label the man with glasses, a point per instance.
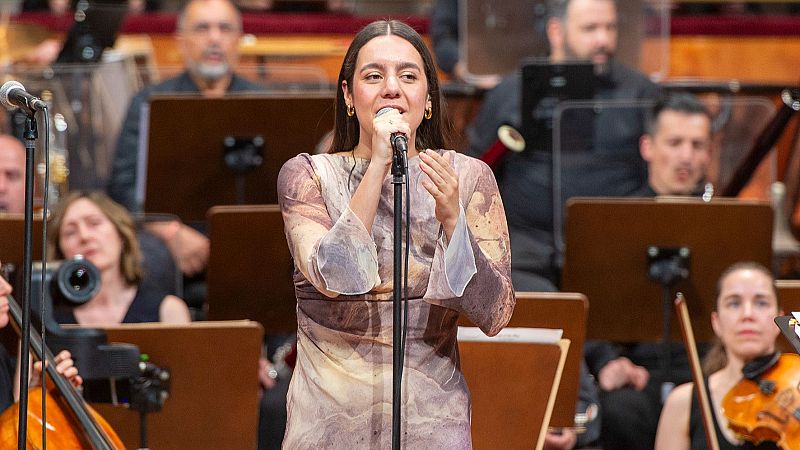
(208, 33)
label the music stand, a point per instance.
(95, 29)
(565, 311)
(787, 325)
(509, 405)
(621, 252)
(245, 291)
(606, 257)
(224, 151)
(789, 300)
(544, 85)
(213, 401)
(11, 228)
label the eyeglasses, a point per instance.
(204, 28)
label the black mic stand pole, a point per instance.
(31, 134)
(398, 180)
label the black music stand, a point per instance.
(244, 241)
(544, 85)
(789, 299)
(609, 250)
(224, 151)
(787, 325)
(94, 29)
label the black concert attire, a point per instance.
(145, 307)
(7, 369)
(612, 167)
(697, 433)
(444, 33)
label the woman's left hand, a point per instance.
(442, 184)
(64, 365)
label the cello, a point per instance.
(70, 423)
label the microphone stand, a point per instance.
(399, 165)
(31, 133)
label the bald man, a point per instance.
(208, 33)
(12, 175)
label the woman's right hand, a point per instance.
(391, 121)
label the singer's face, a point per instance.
(678, 152)
(12, 175)
(209, 39)
(86, 230)
(389, 73)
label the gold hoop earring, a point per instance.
(351, 110)
(428, 113)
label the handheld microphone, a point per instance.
(399, 140)
(13, 95)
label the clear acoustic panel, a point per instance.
(496, 36)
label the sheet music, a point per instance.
(520, 335)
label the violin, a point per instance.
(70, 422)
(765, 404)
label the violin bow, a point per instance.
(697, 372)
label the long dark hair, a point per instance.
(432, 133)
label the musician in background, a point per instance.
(677, 146)
(583, 30)
(576, 30)
(208, 33)
(746, 305)
(12, 175)
(92, 225)
(677, 149)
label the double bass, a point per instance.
(70, 423)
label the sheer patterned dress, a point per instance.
(341, 391)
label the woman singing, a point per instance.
(338, 213)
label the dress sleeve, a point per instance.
(488, 296)
(336, 257)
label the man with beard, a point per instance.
(208, 33)
(576, 30)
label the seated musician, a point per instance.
(92, 225)
(745, 308)
(9, 375)
(677, 149)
